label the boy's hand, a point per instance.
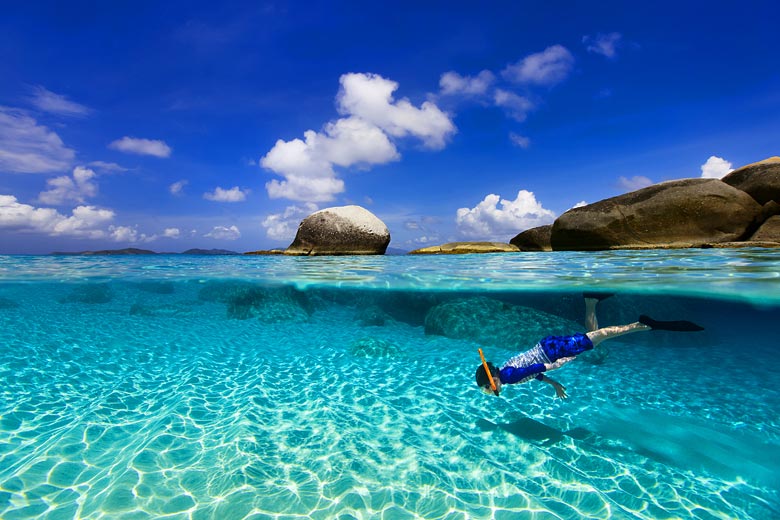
(560, 391)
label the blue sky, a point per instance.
(174, 125)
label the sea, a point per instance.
(273, 387)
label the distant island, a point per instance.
(136, 251)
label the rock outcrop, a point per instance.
(760, 180)
(768, 232)
(459, 248)
(345, 230)
(673, 214)
(534, 239)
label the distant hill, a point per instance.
(126, 251)
(208, 252)
(395, 251)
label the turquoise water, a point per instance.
(274, 387)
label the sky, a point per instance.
(177, 125)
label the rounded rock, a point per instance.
(344, 230)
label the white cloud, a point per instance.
(486, 221)
(548, 67)
(516, 106)
(637, 182)
(177, 187)
(716, 168)
(84, 221)
(48, 101)
(138, 146)
(129, 234)
(64, 189)
(283, 226)
(519, 140)
(234, 194)
(362, 137)
(370, 97)
(452, 83)
(604, 44)
(171, 233)
(224, 233)
(107, 166)
(27, 147)
(580, 204)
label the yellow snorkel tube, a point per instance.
(487, 371)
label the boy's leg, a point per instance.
(599, 335)
(591, 300)
(591, 321)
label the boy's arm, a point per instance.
(560, 390)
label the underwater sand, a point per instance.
(235, 387)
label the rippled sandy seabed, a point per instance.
(200, 398)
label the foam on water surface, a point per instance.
(138, 396)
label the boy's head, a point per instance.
(483, 382)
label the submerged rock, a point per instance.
(90, 294)
(492, 322)
(374, 348)
(5, 303)
(460, 248)
(268, 305)
(534, 239)
(682, 213)
(345, 230)
(371, 315)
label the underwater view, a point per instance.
(174, 386)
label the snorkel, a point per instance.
(487, 371)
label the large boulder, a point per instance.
(345, 230)
(760, 180)
(671, 214)
(534, 239)
(769, 231)
(460, 248)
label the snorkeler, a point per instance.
(552, 352)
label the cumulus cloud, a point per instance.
(548, 67)
(634, 183)
(519, 140)
(716, 168)
(171, 233)
(128, 234)
(177, 187)
(516, 106)
(283, 226)
(75, 188)
(604, 44)
(224, 233)
(47, 101)
(233, 194)
(452, 83)
(363, 137)
(580, 204)
(488, 221)
(139, 146)
(370, 97)
(27, 147)
(84, 221)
